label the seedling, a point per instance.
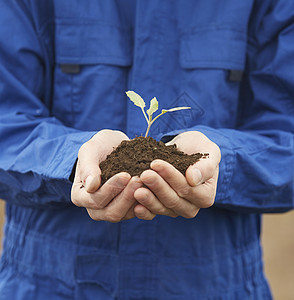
(138, 101)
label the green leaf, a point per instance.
(136, 99)
(175, 109)
(153, 107)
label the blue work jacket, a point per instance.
(64, 70)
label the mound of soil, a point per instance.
(135, 156)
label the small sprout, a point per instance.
(138, 101)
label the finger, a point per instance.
(117, 209)
(103, 196)
(143, 213)
(130, 213)
(139, 211)
(200, 195)
(167, 195)
(150, 205)
(173, 177)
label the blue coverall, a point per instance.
(64, 70)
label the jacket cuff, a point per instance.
(60, 173)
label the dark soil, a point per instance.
(135, 156)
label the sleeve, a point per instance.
(37, 151)
(257, 165)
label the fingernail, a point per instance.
(156, 165)
(136, 179)
(88, 182)
(137, 182)
(197, 176)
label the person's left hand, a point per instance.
(168, 192)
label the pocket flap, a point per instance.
(213, 47)
(90, 42)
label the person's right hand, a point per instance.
(114, 200)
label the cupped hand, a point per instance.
(114, 200)
(169, 192)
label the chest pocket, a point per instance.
(212, 61)
(92, 60)
(213, 47)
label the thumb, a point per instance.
(92, 182)
(92, 153)
(202, 171)
(88, 171)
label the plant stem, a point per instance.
(157, 117)
(145, 115)
(149, 122)
(148, 128)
